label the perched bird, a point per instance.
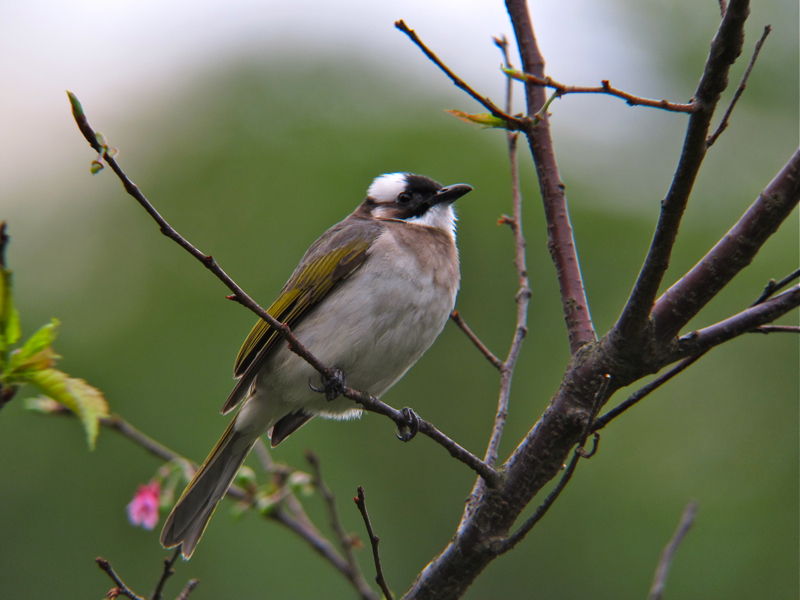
(368, 298)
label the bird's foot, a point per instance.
(408, 429)
(332, 386)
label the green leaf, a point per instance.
(38, 343)
(484, 119)
(81, 398)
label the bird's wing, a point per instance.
(317, 274)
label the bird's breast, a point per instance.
(376, 323)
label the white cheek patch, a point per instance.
(387, 187)
(441, 216)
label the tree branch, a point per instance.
(345, 541)
(361, 502)
(512, 123)
(660, 580)
(725, 48)
(459, 320)
(561, 242)
(605, 88)
(166, 574)
(121, 589)
(740, 90)
(676, 307)
(745, 321)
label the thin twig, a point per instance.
(644, 391)
(4, 239)
(523, 295)
(660, 580)
(190, 586)
(605, 88)
(513, 123)
(740, 90)
(166, 574)
(458, 320)
(777, 329)
(541, 510)
(775, 286)
(725, 48)
(522, 298)
(121, 589)
(374, 540)
(745, 321)
(516, 537)
(368, 402)
(722, 8)
(346, 541)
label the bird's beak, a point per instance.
(451, 193)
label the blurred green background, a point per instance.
(252, 159)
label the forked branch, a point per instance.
(725, 49)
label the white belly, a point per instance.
(374, 326)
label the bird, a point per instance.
(368, 298)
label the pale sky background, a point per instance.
(119, 56)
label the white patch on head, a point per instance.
(441, 216)
(387, 187)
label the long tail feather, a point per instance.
(188, 520)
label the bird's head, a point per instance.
(414, 199)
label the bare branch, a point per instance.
(777, 329)
(458, 320)
(739, 91)
(166, 574)
(605, 88)
(511, 122)
(190, 586)
(725, 48)
(560, 239)
(660, 580)
(368, 402)
(523, 295)
(644, 391)
(775, 286)
(361, 502)
(522, 298)
(731, 254)
(745, 321)
(579, 453)
(121, 589)
(4, 239)
(542, 509)
(345, 541)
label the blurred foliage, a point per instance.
(257, 160)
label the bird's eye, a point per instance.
(404, 197)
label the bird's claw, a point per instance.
(407, 430)
(332, 386)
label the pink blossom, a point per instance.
(143, 509)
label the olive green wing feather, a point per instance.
(311, 282)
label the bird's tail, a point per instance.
(187, 521)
